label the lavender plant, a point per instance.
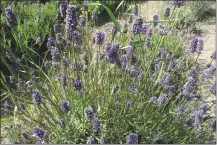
(139, 91)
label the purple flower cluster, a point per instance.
(71, 22)
(208, 73)
(77, 84)
(38, 132)
(50, 43)
(100, 38)
(65, 61)
(62, 122)
(132, 88)
(64, 106)
(10, 17)
(137, 26)
(63, 80)
(90, 112)
(132, 138)
(177, 3)
(190, 85)
(162, 99)
(197, 116)
(91, 140)
(36, 96)
(155, 18)
(161, 30)
(196, 45)
(54, 53)
(76, 66)
(112, 53)
(7, 105)
(63, 7)
(213, 89)
(96, 124)
(167, 12)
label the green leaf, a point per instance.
(112, 18)
(119, 5)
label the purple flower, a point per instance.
(63, 6)
(50, 43)
(63, 80)
(7, 105)
(91, 140)
(199, 45)
(76, 66)
(112, 53)
(132, 138)
(10, 17)
(213, 89)
(208, 73)
(90, 112)
(95, 124)
(64, 106)
(149, 32)
(71, 22)
(36, 97)
(193, 45)
(132, 87)
(65, 61)
(137, 26)
(213, 56)
(38, 132)
(162, 100)
(54, 53)
(189, 121)
(145, 28)
(155, 18)
(77, 84)
(58, 38)
(77, 37)
(177, 3)
(48, 64)
(167, 12)
(62, 122)
(100, 38)
(129, 103)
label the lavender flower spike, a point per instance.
(65, 106)
(132, 138)
(167, 12)
(100, 38)
(10, 17)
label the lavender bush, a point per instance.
(141, 90)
